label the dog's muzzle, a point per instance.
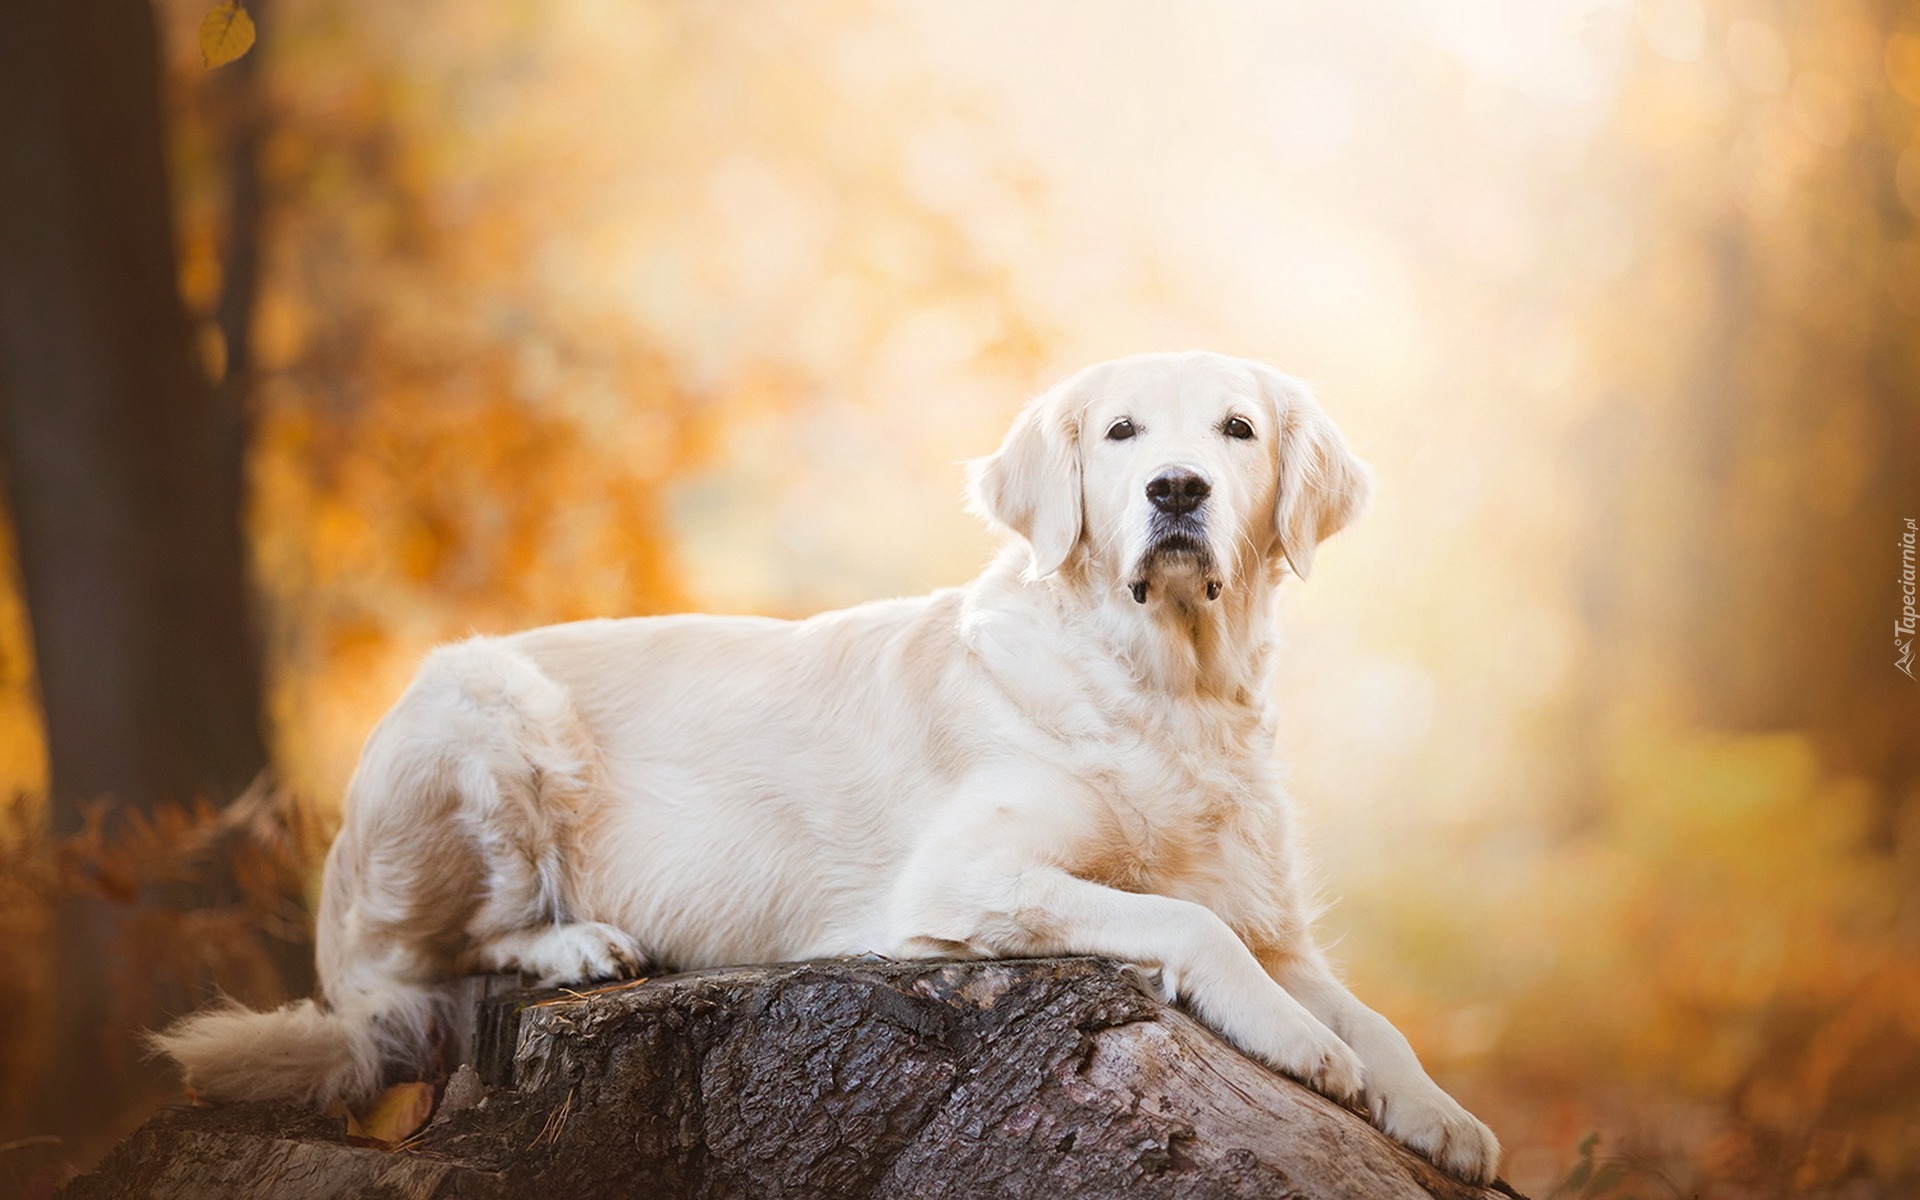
(1178, 496)
(1179, 540)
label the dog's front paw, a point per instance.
(1432, 1123)
(1162, 982)
(581, 951)
(1319, 1059)
(1334, 1070)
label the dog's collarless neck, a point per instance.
(1181, 649)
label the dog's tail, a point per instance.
(303, 1052)
(378, 1017)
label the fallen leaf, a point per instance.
(400, 1110)
(226, 32)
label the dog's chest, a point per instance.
(1173, 790)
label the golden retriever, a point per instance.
(1072, 754)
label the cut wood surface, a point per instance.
(1048, 1078)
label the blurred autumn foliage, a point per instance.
(265, 842)
(570, 309)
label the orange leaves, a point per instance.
(226, 33)
(394, 1116)
(397, 1113)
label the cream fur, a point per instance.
(1036, 763)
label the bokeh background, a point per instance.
(532, 311)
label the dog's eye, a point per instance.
(1237, 427)
(1120, 430)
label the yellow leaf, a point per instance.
(399, 1111)
(226, 32)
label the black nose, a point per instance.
(1178, 491)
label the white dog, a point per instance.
(1070, 755)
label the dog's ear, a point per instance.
(1031, 484)
(1321, 486)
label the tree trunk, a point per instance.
(123, 471)
(1045, 1077)
(124, 474)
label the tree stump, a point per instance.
(851, 1078)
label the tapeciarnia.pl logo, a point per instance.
(1903, 629)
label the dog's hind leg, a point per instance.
(522, 768)
(452, 860)
(567, 952)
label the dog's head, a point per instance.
(1177, 474)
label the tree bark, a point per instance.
(125, 489)
(1047, 1077)
(122, 468)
